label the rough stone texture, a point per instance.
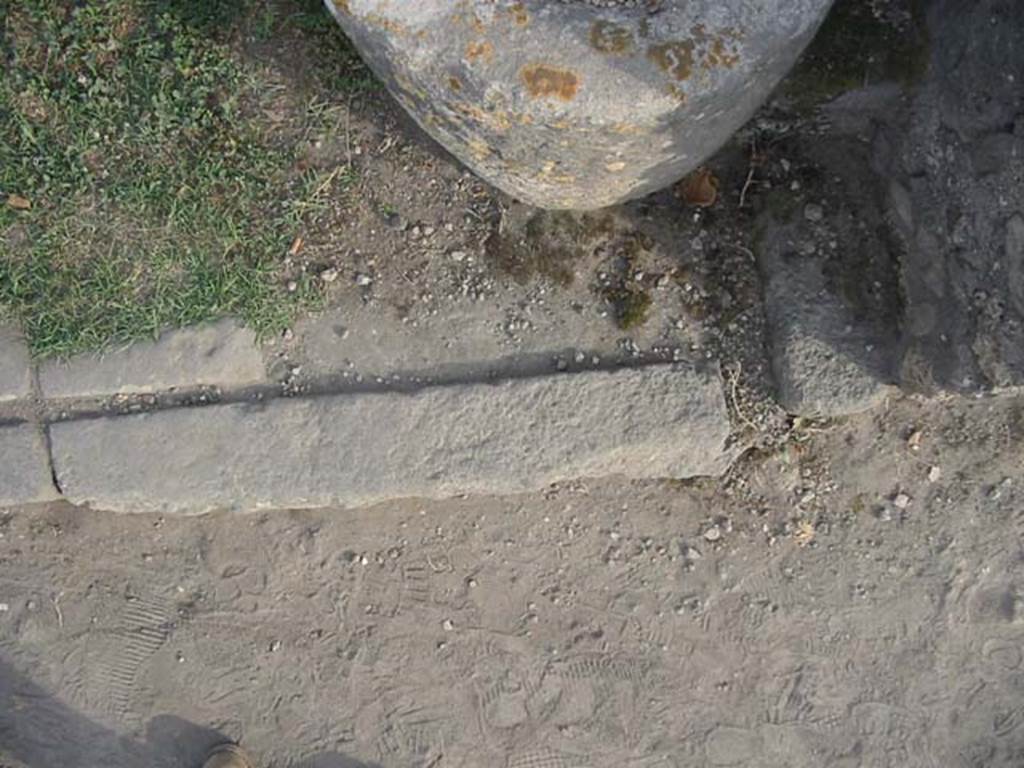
(221, 354)
(15, 365)
(956, 194)
(566, 105)
(25, 476)
(827, 360)
(520, 435)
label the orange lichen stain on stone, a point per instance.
(501, 120)
(479, 149)
(719, 56)
(615, 167)
(454, 83)
(546, 82)
(715, 52)
(376, 20)
(611, 38)
(468, 17)
(519, 14)
(547, 174)
(481, 50)
(341, 5)
(497, 120)
(626, 129)
(471, 111)
(674, 58)
(676, 93)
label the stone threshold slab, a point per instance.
(15, 365)
(353, 450)
(25, 475)
(216, 354)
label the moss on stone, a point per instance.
(630, 304)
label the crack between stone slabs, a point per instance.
(42, 425)
(65, 410)
(48, 447)
(31, 412)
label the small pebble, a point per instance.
(901, 500)
(814, 213)
(714, 533)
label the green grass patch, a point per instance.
(158, 196)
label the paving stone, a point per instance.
(15, 365)
(827, 361)
(354, 450)
(222, 354)
(25, 476)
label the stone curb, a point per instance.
(819, 350)
(25, 474)
(15, 365)
(359, 449)
(221, 354)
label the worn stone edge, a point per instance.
(133, 499)
(42, 459)
(51, 374)
(25, 388)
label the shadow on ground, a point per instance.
(39, 731)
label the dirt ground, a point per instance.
(852, 598)
(851, 594)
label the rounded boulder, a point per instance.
(580, 104)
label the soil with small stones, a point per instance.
(850, 594)
(853, 597)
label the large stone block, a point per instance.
(354, 450)
(827, 360)
(220, 354)
(15, 365)
(25, 476)
(579, 104)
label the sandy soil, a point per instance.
(851, 594)
(851, 598)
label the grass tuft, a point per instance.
(158, 196)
